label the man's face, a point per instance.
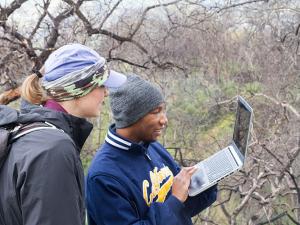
(150, 127)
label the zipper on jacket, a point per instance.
(147, 157)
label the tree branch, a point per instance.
(37, 26)
(283, 104)
(109, 13)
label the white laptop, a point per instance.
(228, 160)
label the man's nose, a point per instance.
(164, 118)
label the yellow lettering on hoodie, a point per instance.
(161, 183)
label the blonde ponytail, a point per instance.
(32, 90)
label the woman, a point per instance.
(42, 179)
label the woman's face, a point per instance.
(90, 105)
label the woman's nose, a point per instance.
(106, 92)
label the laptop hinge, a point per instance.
(235, 156)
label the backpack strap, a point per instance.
(8, 136)
(24, 129)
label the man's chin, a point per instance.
(155, 138)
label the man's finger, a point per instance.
(192, 170)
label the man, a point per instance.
(133, 179)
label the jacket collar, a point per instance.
(114, 139)
(77, 128)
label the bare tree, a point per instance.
(202, 54)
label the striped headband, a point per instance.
(78, 83)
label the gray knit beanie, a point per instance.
(133, 100)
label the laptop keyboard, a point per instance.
(219, 165)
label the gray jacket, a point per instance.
(42, 180)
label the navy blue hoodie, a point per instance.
(130, 183)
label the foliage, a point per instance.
(202, 54)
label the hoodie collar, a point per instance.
(52, 104)
(122, 143)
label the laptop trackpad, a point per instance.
(199, 179)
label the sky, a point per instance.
(27, 14)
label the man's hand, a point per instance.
(181, 183)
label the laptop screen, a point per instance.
(242, 125)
